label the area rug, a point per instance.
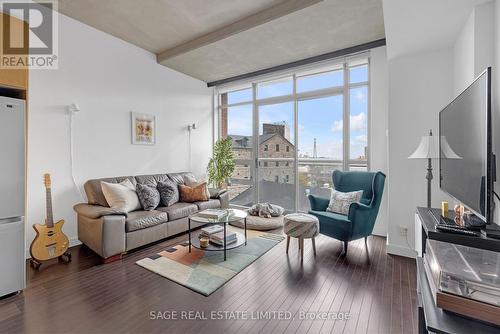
(206, 271)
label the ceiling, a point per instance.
(216, 39)
(405, 32)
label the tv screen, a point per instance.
(465, 142)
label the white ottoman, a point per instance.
(301, 226)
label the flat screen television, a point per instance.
(466, 160)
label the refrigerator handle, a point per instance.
(11, 220)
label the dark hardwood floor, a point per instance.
(376, 290)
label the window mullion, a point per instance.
(346, 119)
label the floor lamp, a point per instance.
(429, 149)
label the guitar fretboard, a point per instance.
(48, 200)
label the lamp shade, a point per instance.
(429, 149)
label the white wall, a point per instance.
(419, 86)
(108, 78)
(379, 91)
(473, 49)
(464, 56)
(483, 37)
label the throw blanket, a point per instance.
(266, 210)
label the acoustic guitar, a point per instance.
(50, 241)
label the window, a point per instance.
(318, 81)
(273, 88)
(238, 96)
(309, 123)
(358, 73)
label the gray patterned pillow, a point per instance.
(169, 193)
(148, 196)
(340, 202)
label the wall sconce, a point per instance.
(73, 108)
(191, 127)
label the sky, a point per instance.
(319, 118)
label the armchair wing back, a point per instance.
(361, 219)
(372, 184)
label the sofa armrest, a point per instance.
(224, 200)
(222, 195)
(215, 193)
(104, 235)
(97, 211)
(318, 203)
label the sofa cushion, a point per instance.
(169, 192)
(210, 204)
(151, 180)
(179, 210)
(178, 178)
(193, 194)
(191, 181)
(148, 196)
(121, 196)
(138, 220)
(94, 191)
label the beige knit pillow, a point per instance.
(340, 202)
(121, 195)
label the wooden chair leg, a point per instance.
(287, 243)
(301, 249)
(345, 247)
(314, 246)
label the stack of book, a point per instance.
(210, 230)
(218, 238)
(212, 213)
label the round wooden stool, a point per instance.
(301, 226)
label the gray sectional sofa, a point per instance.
(110, 232)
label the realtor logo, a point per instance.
(29, 35)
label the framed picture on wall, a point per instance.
(143, 129)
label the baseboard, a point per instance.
(72, 242)
(400, 250)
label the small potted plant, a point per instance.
(221, 165)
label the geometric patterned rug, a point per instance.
(206, 271)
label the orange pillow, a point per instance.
(193, 194)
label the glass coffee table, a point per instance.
(231, 216)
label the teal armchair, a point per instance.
(361, 218)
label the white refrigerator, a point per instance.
(12, 195)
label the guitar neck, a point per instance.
(48, 200)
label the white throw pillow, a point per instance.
(340, 202)
(121, 195)
(191, 181)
